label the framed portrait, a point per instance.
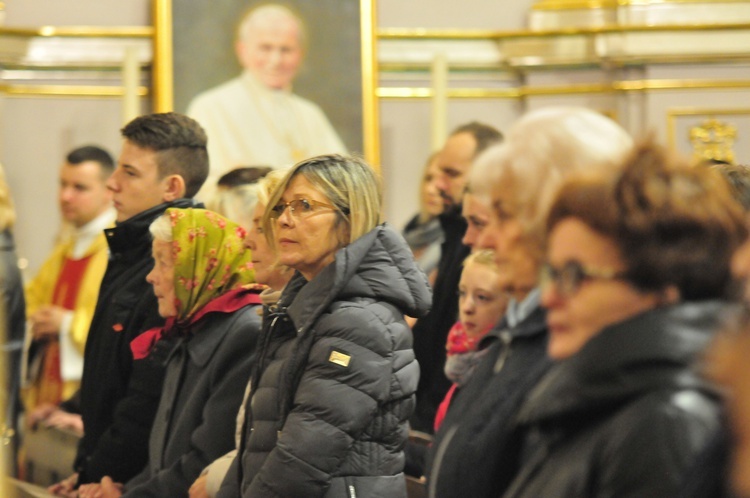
(335, 73)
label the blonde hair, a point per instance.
(7, 212)
(347, 181)
(484, 257)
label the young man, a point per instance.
(61, 298)
(163, 164)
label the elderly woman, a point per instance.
(473, 453)
(274, 278)
(634, 284)
(200, 277)
(335, 382)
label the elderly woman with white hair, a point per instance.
(334, 386)
(474, 453)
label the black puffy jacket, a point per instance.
(335, 387)
(625, 415)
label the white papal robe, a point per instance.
(249, 124)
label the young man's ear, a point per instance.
(174, 188)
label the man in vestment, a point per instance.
(255, 118)
(60, 299)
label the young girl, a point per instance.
(482, 299)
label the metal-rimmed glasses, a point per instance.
(300, 208)
(569, 278)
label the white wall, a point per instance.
(36, 132)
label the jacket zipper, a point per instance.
(433, 479)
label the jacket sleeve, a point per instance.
(214, 436)
(122, 450)
(648, 455)
(346, 379)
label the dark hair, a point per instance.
(243, 176)
(179, 143)
(484, 135)
(92, 153)
(675, 225)
(738, 177)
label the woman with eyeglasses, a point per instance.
(474, 452)
(634, 286)
(334, 386)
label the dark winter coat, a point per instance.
(626, 415)
(475, 452)
(206, 374)
(119, 396)
(330, 402)
(431, 331)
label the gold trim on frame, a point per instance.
(370, 115)
(163, 70)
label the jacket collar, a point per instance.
(652, 350)
(134, 231)
(377, 265)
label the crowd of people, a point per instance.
(565, 316)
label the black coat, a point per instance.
(431, 331)
(207, 371)
(14, 307)
(119, 396)
(625, 415)
(475, 452)
(335, 386)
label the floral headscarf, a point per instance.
(210, 258)
(213, 272)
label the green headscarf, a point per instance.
(210, 258)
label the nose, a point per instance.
(250, 241)
(111, 182)
(150, 277)
(286, 219)
(550, 297)
(470, 237)
(467, 306)
(65, 194)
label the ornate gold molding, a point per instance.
(598, 88)
(80, 32)
(574, 4)
(67, 91)
(470, 34)
(709, 113)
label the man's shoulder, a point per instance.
(217, 93)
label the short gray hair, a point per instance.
(541, 150)
(161, 229)
(270, 12)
